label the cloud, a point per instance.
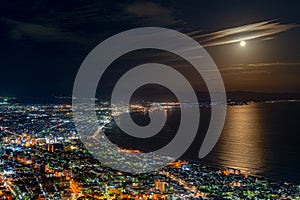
(75, 23)
(20, 30)
(261, 68)
(270, 64)
(264, 30)
(151, 13)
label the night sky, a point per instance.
(44, 42)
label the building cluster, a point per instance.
(41, 157)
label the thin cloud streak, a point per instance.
(260, 68)
(271, 64)
(265, 29)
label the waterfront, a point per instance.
(43, 158)
(259, 138)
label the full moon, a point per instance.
(242, 43)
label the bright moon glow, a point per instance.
(243, 43)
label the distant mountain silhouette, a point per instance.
(160, 94)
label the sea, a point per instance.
(261, 139)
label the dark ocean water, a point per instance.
(260, 138)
